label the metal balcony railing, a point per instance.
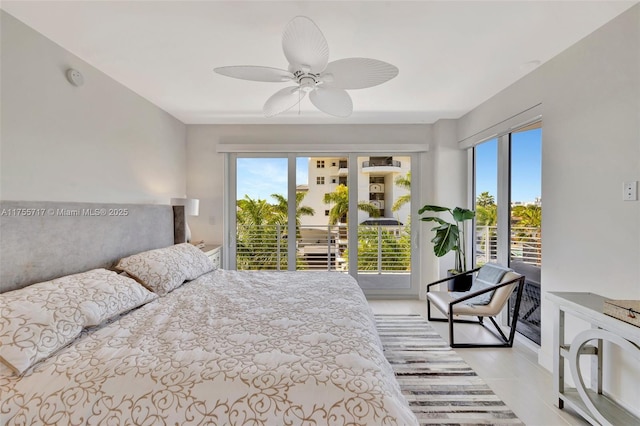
(525, 258)
(381, 249)
(262, 247)
(386, 163)
(526, 244)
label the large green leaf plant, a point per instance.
(449, 236)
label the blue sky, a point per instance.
(526, 157)
(261, 177)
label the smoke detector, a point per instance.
(75, 77)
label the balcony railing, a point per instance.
(525, 258)
(385, 163)
(526, 245)
(381, 248)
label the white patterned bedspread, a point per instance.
(230, 348)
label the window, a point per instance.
(334, 180)
(319, 164)
(320, 180)
(326, 212)
(525, 220)
(486, 201)
(508, 204)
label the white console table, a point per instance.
(590, 403)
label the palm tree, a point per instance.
(486, 210)
(405, 183)
(253, 212)
(486, 216)
(485, 199)
(340, 200)
(257, 236)
(527, 222)
(281, 208)
(529, 215)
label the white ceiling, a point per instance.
(452, 55)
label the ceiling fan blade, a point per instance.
(332, 101)
(357, 73)
(304, 45)
(255, 73)
(283, 100)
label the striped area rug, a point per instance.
(440, 387)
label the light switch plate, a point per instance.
(630, 191)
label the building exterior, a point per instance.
(375, 183)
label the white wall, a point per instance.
(590, 98)
(96, 143)
(448, 166)
(206, 181)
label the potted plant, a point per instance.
(451, 237)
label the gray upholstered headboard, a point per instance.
(40, 241)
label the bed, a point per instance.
(211, 347)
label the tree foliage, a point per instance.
(262, 231)
(395, 248)
(340, 200)
(529, 215)
(405, 183)
(486, 210)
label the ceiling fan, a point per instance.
(307, 51)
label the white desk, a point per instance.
(591, 404)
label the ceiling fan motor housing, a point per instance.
(306, 80)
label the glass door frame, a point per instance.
(503, 193)
(230, 218)
(373, 284)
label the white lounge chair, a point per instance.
(492, 287)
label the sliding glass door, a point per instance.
(486, 202)
(525, 219)
(508, 203)
(383, 215)
(352, 214)
(321, 228)
(261, 214)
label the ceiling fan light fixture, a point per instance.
(307, 52)
(307, 84)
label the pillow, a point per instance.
(114, 295)
(38, 320)
(492, 272)
(198, 263)
(489, 275)
(482, 299)
(163, 270)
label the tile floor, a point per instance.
(513, 374)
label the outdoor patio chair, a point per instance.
(492, 287)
